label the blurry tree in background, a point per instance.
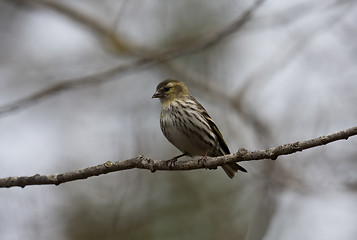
(287, 74)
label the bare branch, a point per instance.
(152, 60)
(56, 88)
(142, 162)
(217, 37)
(94, 25)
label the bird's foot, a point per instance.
(171, 162)
(202, 160)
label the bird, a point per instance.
(186, 125)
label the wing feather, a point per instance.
(213, 126)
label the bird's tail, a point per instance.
(232, 168)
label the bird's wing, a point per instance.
(216, 131)
(213, 126)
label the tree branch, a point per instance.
(142, 162)
(97, 78)
(153, 59)
(94, 25)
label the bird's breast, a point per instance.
(187, 130)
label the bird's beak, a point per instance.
(157, 94)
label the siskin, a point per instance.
(187, 125)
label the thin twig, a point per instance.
(101, 77)
(142, 162)
(95, 26)
(150, 61)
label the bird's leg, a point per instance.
(172, 161)
(202, 160)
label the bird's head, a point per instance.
(170, 90)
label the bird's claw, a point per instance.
(202, 160)
(171, 162)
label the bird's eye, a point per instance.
(166, 89)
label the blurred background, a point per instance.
(288, 74)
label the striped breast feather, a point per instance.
(212, 125)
